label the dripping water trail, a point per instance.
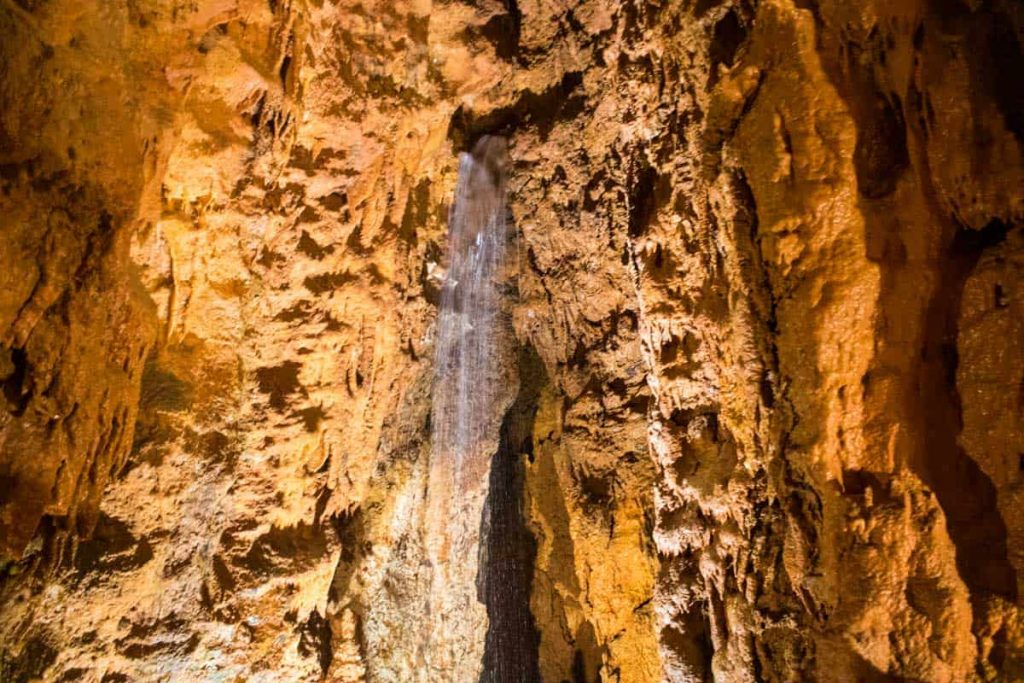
(471, 327)
(479, 548)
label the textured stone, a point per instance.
(767, 304)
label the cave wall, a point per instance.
(769, 260)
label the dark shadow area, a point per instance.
(16, 380)
(112, 549)
(508, 548)
(586, 663)
(966, 494)
(31, 663)
(648, 192)
(880, 157)
(562, 101)
(315, 640)
(503, 30)
(994, 53)
(727, 36)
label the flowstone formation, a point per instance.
(755, 414)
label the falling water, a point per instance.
(470, 321)
(474, 385)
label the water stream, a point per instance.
(471, 328)
(474, 385)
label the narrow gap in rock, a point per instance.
(727, 37)
(966, 494)
(503, 30)
(15, 385)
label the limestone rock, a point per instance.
(766, 318)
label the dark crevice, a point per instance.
(350, 528)
(966, 494)
(586, 663)
(1007, 67)
(508, 548)
(503, 30)
(727, 37)
(112, 549)
(30, 664)
(690, 643)
(881, 155)
(315, 640)
(560, 102)
(278, 382)
(17, 383)
(649, 192)
(308, 246)
(993, 51)
(282, 73)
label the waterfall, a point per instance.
(474, 384)
(470, 321)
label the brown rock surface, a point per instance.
(767, 423)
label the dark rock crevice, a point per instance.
(966, 494)
(562, 101)
(503, 30)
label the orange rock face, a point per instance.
(764, 405)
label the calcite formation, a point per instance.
(762, 411)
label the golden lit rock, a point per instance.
(755, 408)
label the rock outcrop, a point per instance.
(768, 417)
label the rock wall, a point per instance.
(768, 423)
